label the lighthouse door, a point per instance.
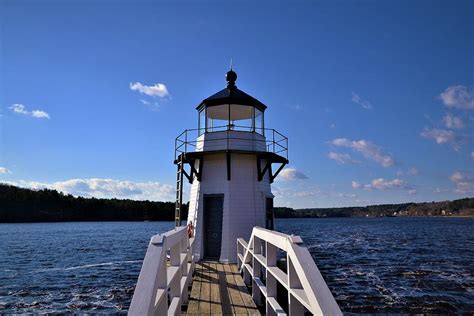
(213, 207)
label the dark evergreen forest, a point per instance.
(26, 205)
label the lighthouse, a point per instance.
(231, 160)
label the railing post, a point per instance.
(294, 306)
(271, 282)
(186, 141)
(257, 270)
(174, 262)
(184, 269)
(273, 140)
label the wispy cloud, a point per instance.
(296, 107)
(291, 174)
(152, 105)
(107, 188)
(356, 185)
(310, 191)
(453, 122)
(365, 104)
(442, 136)
(368, 149)
(459, 97)
(410, 172)
(441, 190)
(156, 90)
(464, 182)
(472, 154)
(21, 109)
(382, 184)
(291, 192)
(341, 158)
(4, 170)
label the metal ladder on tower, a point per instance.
(179, 190)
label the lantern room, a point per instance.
(231, 110)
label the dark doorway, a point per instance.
(213, 207)
(269, 213)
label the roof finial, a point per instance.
(231, 76)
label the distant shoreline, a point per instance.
(20, 205)
(287, 218)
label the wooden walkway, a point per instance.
(218, 289)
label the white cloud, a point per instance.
(291, 174)
(458, 97)
(289, 192)
(356, 185)
(382, 184)
(464, 182)
(363, 103)
(107, 188)
(4, 170)
(156, 90)
(367, 149)
(442, 136)
(39, 114)
(454, 122)
(21, 109)
(341, 158)
(18, 108)
(472, 154)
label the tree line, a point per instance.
(26, 205)
(461, 207)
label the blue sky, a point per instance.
(377, 98)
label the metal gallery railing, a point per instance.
(166, 273)
(190, 139)
(306, 289)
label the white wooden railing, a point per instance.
(163, 282)
(306, 288)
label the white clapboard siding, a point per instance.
(244, 199)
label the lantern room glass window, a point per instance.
(233, 117)
(259, 128)
(218, 118)
(242, 118)
(202, 121)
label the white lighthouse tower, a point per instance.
(230, 159)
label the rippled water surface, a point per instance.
(371, 265)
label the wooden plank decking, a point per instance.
(218, 289)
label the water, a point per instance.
(388, 265)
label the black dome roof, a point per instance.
(231, 95)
